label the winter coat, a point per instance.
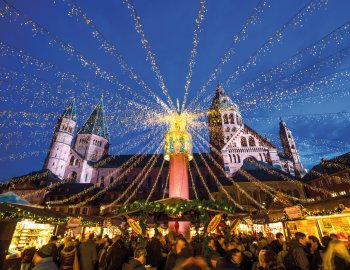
(117, 255)
(276, 246)
(133, 265)
(299, 255)
(27, 255)
(67, 258)
(87, 255)
(154, 252)
(46, 264)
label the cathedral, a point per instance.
(75, 154)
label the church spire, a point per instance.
(71, 111)
(96, 123)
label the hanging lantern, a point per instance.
(214, 222)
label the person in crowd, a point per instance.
(277, 244)
(88, 254)
(268, 261)
(296, 257)
(155, 250)
(235, 260)
(336, 257)
(53, 243)
(132, 247)
(314, 253)
(137, 263)
(333, 236)
(194, 263)
(325, 241)
(103, 254)
(220, 245)
(179, 254)
(43, 259)
(262, 243)
(27, 256)
(117, 254)
(69, 256)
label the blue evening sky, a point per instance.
(28, 112)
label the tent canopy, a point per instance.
(11, 197)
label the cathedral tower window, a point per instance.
(251, 141)
(230, 158)
(71, 162)
(234, 158)
(225, 119)
(244, 142)
(238, 159)
(232, 119)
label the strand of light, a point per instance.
(224, 173)
(156, 181)
(146, 45)
(192, 61)
(142, 180)
(310, 72)
(71, 51)
(110, 185)
(134, 160)
(290, 180)
(23, 155)
(220, 186)
(293, 62)
(296, 21)
(242, 35)
(192, 182)
(202, 179)
(108, 47)
(166, 184)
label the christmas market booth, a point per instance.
(200, 217)
(24, 225)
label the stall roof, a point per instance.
(19, 211)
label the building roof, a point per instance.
(264, 140)
(115, 161)
(222, 101)
(38, 179)
(96, 123)
(260, 174)
(70, 112)
(331, 166)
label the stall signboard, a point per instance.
(74, 222)
(294, 212)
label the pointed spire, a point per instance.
(70, 111)
(96, 123)
(221, 100)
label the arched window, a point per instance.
(261, 158)
(234, 157)
(76, 162)
(112, 180)
(238, 159)
(251, 141)
(102, 182)
(232, 119)
(71, 162)
(225, 119)
(230, 158)
(73, 176)
(244, 142)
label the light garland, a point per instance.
(192, 182)
(220, 186)
(146, 45)
(230, 179)
(166, 185)
(108, 47)
(242, 35)
(202, 179)
(293, 62)
(156, 181)
(192, 61)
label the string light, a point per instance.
(202, 179)
(146, 45)
(166, 185)
(192, 182)
(156, 181)
(192, 61)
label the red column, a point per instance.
(178, 176)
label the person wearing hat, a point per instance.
(43, 259)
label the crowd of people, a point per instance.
(237, 252)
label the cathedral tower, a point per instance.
(92, 141)
(224, 119)
(59, 151)
(290, 149)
